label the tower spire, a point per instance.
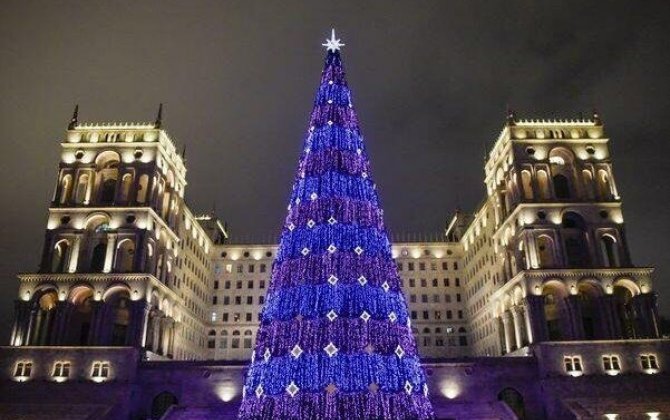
(74, 119)
(159, 117)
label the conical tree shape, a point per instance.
(335, 340)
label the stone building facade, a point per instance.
(530, 307)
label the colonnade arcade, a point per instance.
(573, 311)
(85, 316)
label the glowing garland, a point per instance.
(335, 340)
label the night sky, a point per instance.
(431, 83)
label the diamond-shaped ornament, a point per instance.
(291, 226)
(330, 349)
(331, 315)
(266, 355)
(330, 82)
(393, 317)
(311, 223)
(330, 122)
(365, 316)
(399, 352)
(314, 196)
(362, 280)
(259, 391)
(358, 250)
(296, 351)
(364, 175)
(305, 251)
(408, 387)
(332, 248)
(359, 151)
(330, 101)
(332, 279)
(292, 389)
(332, 220)
(386, 286)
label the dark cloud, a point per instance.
(431, 83)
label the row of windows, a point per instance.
(238, 284)
(61, 370)
(238, 300)
(236, 317)
(422, 266)
(251, 268)
(446, 282)
(435, 298)
(436, 314)
(611, 364)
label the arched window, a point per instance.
(545, 251)
(98, 257)
(561, 187)
(43, 320)
(60, 256)
(235, 344)
(527, 185)
(142, 187)
(588, 184)
(66, 189)
(247, 339)
(462, 337)
(604, 187)
(79, 323)
(125, 256)
(161, 403)
(576, 245)
(625, 311)
(513, 399)
(553, 294)
(211, 339)
(126, 184)
(609, 251)
(223, 343)
(119, 303)
(543, 184)
(107, 164)
(83, 194)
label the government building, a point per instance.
(528, 307)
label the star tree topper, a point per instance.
(333, 44)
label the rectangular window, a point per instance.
(61, 370)
(458, 297)
(445, 265)
(449, 315)
(434, 282)
(239, 268)
(412, 283)
(238, 284)
(250, 300)
(460, 314)
(413, 314)
(433, 266)
(445, 282)
(224, 317)
(247, 343)
(223, 344)
(261, 300)
(238, 300)
(250, 284)
(235, 343)
(439, 342)
(399, 265)
(426, 341)
(100, 371)
(424, 298)
(216, 284)
(226, 285)
(248, 318)
(412, 298)
(261, 284)
(251, 268)
(23, 369)
(573, 365)
(458, 282)
(422, 266)
(236, 317)
(214, 300)
(425, 314)
(424, 283)
(263, 267)
(226, 300)
(436, 298)
(410, 266)
(447, 298)
(455, 266)
(611, 364)
(649, 362)
(438, 314)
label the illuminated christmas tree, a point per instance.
(335, 340)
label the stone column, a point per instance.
(508, 327)
(109, 255)
(19, 335)
(74, 255)
(516, 322)
(574, 322)
(94, 329)
(609, 327)
(536, 319)
(139, 310)
(646, 311)
(527, 325)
